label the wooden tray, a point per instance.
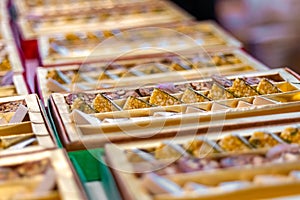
(34, 125)
(17, 88)
(247, 64)
(143, 124)
(55, 162)
(42, 25)
(60, 49)
(215, 140)
(28, 8)
(132, 186)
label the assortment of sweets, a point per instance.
(36, 179)
(105, 15)
(170, 94)
(282, 153)
(11, 106)
(46, 3)
(70, 43)
(241, 87)
(22, 124)
(125, 15)
(108, 11)
(237, 143)
(29, 180)
(14, 114)
(41, 7)
(37, 175)
(86, 75)
(190, 176)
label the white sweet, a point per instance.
(234, 185)
(262, 101)
(219, 107)
(159, 185)
(19, 114)
(192, 109)
(191, 186)
(243, 104)
(82, 118)
(109, 120)
(164, 114)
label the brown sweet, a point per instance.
(11, 106)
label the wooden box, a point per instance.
(124, 16)
(202, 170)
(40, 174)
(116, 42)
(28, 128)
(94, 130)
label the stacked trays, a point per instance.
(23, 124)
(39, 174)
(140, 93)
(93, 118)
(245, 164)
(144, 13)
(29, 7)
